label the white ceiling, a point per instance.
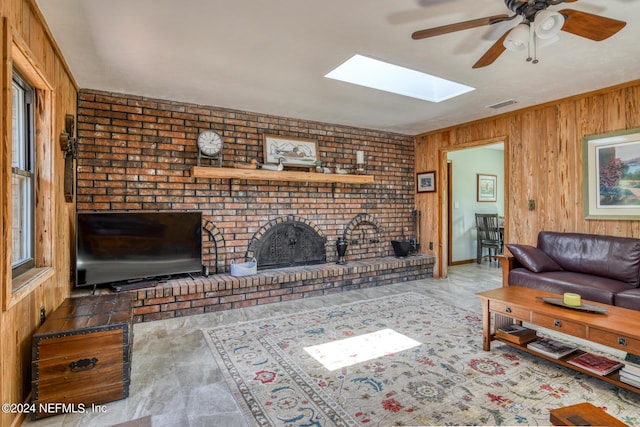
(270, 56)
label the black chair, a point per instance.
(489, 236)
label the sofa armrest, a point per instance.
(508, 263)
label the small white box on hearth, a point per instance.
(244, 268)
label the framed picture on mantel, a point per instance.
(290, 151)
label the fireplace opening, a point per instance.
(287, 242)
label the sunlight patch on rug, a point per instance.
(338, 354)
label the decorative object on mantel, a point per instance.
(342, 171)
(69, 145)
(210, 147)
(360, 162)
(277, 167)
(341, 249)
(290, 151)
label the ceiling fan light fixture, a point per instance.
(547, 24)
(518, 39)
(546, 42)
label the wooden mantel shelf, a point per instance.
(267, 175)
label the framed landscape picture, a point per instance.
(611, 175)
(487, 187)
(426, 182)
(290, 151)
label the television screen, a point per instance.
(125, 246)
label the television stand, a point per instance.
(133, 285)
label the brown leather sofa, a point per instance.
(600, 268)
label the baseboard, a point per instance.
(464, 261)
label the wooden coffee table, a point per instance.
(617, 328)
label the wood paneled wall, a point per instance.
(23, 26)
(543, 162)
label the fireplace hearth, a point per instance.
(287, 242)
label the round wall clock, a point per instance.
(210, 146)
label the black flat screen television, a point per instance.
(116, 247)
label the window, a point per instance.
(22, 177)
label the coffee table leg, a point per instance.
(486, 325)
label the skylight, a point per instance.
(364, 71)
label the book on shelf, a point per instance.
(632, 363)
(631, 368)
(630, 374)
(552, 348)
(595, 363)
(629, 377)
(516, 333)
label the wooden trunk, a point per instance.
(82, 355)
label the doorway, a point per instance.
(467, 169)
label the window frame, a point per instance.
(18, 57)
(26, 169)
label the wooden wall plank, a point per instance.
(4, 226)
(568, 189)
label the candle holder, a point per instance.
(341, 249)
(360, 163)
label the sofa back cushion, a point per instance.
(532, 258)
(606, 256)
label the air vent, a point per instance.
(503, 104)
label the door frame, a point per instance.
(444, 251)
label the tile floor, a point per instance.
(175, 380)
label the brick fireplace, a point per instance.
(137, 153)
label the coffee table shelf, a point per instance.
(612, 378)
(616, 329)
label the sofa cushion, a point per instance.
(617, 258)
(588, 286)
(628, 299)
(533, 258)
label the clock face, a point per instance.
(209, 143)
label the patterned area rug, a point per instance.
(447, 380)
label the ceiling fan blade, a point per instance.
(590, 26)
(492, 54)
(430, 32)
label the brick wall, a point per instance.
(136, 153)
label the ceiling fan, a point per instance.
(532, 24)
